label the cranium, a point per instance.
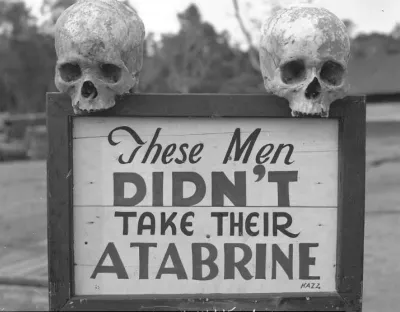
(99, 45)
(304, 53)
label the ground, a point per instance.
(23, 225)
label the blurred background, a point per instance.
(195, 46)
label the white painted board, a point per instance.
(302, 259)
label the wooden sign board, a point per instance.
(206, 202)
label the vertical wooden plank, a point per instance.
(59, 202)
(351, 201)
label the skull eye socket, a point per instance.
(111, 72)
(293, 71)
(70, 72)
(332, 73)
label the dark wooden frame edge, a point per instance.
(351, 113)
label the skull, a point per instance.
(304, 53)
(99, 46)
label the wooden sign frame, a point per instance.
(351, 113)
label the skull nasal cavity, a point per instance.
(89, 90)
(313, 90)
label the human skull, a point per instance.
(304, 53)
(99, 46)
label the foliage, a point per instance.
(196, 59)
(26, 60)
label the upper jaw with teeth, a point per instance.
(302, 106)
(82, 111)
(322, 113)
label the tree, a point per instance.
(197, 59)
(26, 60)
(186, 61)
(253, 51)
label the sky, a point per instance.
(159, 16)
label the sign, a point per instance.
(238, 207)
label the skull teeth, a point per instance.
(298, 114)
(82, 111)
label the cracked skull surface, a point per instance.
(99, 46)
(304, 53)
